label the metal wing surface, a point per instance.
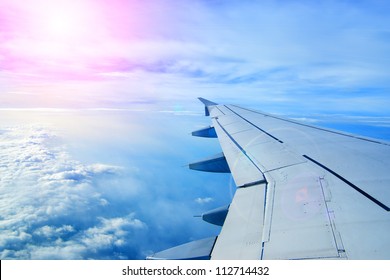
(303, 192)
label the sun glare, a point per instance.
(65, 22)
(60, 25)
(64, 35)
(59, 37)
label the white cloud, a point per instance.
(293, 54)
(203, 200)
(107, 235)
(51, 231)
(99, 168)
(49, 205)
(111, 232)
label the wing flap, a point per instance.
(241, 234)
(301, 224)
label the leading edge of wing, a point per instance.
(207, 102)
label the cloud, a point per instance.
(111, 232)
(204, 200)
(298, 54)
(99, 168)
(50, 232)
(50, 207)
(99, 184)
(108, 238)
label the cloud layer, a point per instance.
(103, 184)
(50, 208)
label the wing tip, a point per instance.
(207, 102)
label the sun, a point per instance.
(51, 37)
(66, 22)
(60, 26)
(65, 33)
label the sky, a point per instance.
(98, 99)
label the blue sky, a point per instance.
(97, 103)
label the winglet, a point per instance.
(207, 104)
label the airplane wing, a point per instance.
(303, 192)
